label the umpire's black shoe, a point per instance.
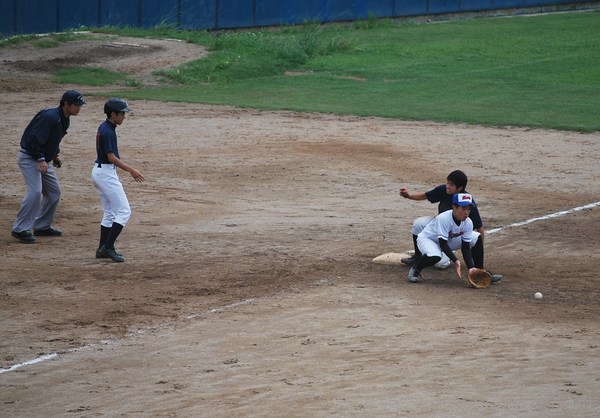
(24, 236)
(105, 252)
(409, 261)
(47, 232)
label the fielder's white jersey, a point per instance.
(443, 226)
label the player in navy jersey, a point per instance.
(106, 180)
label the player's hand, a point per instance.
(43, 167)
(137, 175)
(404, 192)
(57, 162)
(458, 269)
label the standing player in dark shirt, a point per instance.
(106, 180)
(40, 146)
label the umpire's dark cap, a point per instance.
(73, 97)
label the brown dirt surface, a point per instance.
(249, 287)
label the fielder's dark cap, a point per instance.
(73, 97)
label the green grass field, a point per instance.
(535, 71)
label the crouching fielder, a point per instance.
(449, 231)
(106, 180)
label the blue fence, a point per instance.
(42, 16)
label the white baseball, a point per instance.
(538, 295)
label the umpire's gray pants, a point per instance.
(43, 194)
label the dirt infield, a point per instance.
(248, 287)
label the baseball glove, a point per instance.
(479, 278)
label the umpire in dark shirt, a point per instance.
(40, 146)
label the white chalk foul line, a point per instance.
(543, 218)
(54, 355)
(30, 362)
(216, 310)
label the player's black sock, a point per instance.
(103, 235)
(113, 234)
(426, 261)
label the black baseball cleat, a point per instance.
(24, 236)
(414, 275)
(100, 254)
(47, 232)
(105, 252)
(495, 277)
(409, 261)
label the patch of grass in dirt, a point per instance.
(88, 76)
(54, 40)
(249, 55)
(16, 40)
(51, 40)
(246, 54)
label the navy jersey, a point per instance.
(42, 136)
(106, 142)
(444, 200)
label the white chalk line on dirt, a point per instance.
(216, 310)
(30, 362)
(105, 342)
(247, 301)
(543, 218)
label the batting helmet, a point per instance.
(116, 105)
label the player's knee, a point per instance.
(420, 223)
(34, 189)
(53, 197)
(443, 264)
(123, 216)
